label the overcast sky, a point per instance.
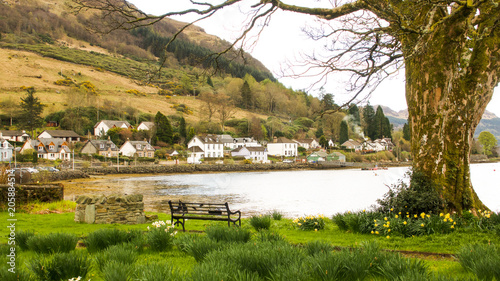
(283, 40)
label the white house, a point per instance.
(50, 149)
(331, 143)
(233, 143)
(308, 143)
(211, 146)
(6, 150)
(378, 145)
(66, 135)
(9, 135)
(141, 148)
(282, 147)
(145, 126)
(251, 152)
(195, 154)
(102, 127)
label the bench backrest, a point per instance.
(200, 209)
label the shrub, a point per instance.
(22, 238)
(310, 223)
(260, 222)
(52, 243)
(160, 237)
(482, 260)
(420, 196)
(228, 234)
(60, 266)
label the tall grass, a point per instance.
(157, 270)
(22, 238)
(261, 222)
(60, 266)
(160, 237)
(52, 243)
(123, 253)
(482, 260)
(106, 237)
(228, 234)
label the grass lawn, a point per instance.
(426, 248)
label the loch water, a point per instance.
(304, 192)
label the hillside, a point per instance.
(490, 122)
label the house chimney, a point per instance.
(275, 139)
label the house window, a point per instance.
(138, 146)
(102, 145)
(40, 148)
(51, 147)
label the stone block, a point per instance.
(90, 214)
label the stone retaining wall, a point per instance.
(166, 169)
(122, 209)
(31, 192)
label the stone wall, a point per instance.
(166, 169)
(31, 192)
(122, 209)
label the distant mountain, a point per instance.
(490, 122)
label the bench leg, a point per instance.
(181, 223)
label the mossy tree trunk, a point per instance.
(449, 82)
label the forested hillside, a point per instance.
(82, 77)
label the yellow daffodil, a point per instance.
(404, 222)
(396, 216)
(422, 225)
(388, 236)
(376, 232)
(385, 218)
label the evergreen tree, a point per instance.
(190, 135)
(246, 96)
(182, 128)
(323, 142)
(368, 115)
(328, 103)
(354, 112)
(344, 132)
(31, 111)
(164, 132)
(406, 132)
(209, 82)
(319, 132)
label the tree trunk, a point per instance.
(447, 92)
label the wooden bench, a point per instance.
(181, 211)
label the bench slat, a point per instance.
(202, 211)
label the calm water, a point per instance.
(298, 193)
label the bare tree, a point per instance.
(209, 103)
(225, 108)
(450, 51)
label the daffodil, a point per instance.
(396, 216)
(404, 222)
(388, 237)
(422, 225)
